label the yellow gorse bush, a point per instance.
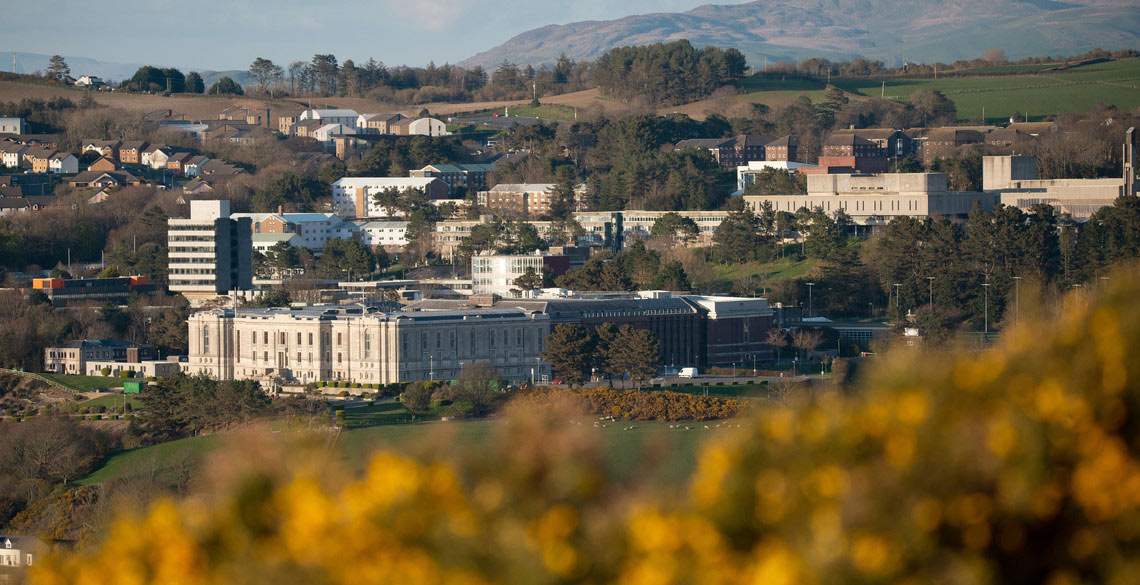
(1016, 465)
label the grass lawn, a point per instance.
(1072, 90)
(385, 413)
(112, 401)
(764, 272)
(156, 457)
(86, 383)
(649, 451)
(544, 112)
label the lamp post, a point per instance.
(986, 331)
(431, 368)
(897, 285)
(931, 279)
(809, 285)
(1016, 300)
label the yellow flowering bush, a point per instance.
(1017, 465)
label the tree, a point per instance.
(417, 397)
(194, 83)
(562, 200)
(480, 385)
(225, 86)
(674, 225)
(994, 56)
(58, 69)
(672, 277)
(737, 239)
(528, 281)
(568, 349)
(345, 257)
(774, 181)
(265, 72)
(633, 351)
(777, 338)
(806, 340)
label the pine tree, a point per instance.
(58, 69)
(633, 351)
(568, 350)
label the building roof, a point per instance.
(99, 343)
(119, 177)
(12, 147)
(384, 181)
(133, 145)
(847, 139)
(704, 143)
(460, 168)
(522, 187)
(14, 203)
(273, 238)
(333, 312)
(367, 225)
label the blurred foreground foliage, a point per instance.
(659, 405)
(1017, 465)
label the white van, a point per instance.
(688, 373)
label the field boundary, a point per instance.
(41, 378)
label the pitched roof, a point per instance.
(100, 343)
(133, 145)
(14, 203)
(704, 142)
(846, 139)
(522, 187)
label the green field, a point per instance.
(764, 272)
(1073, 90)
(544, 111)
(86, 383)
(112, 401)
(631, 451)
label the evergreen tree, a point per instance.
(58, 69)
(632, 352)
(194, 83)
(568, 350)
(225, 86)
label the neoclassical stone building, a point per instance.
(358, 343)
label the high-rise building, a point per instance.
(210, 253)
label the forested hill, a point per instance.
(917, 30)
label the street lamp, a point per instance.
(1016, 300)
(431, 368)
(809, 285)
(931, 279)
(986, 334)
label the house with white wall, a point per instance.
(332, 116)
(63, 163)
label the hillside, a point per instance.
(919, 30)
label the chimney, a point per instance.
(279, 210)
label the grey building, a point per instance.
(210, 253)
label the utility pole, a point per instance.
(809, 285)
(931, 279)
(897, 297)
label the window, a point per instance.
(265, 356)
(282, 338)
(437, 343)
(472, 342)
(310, 338)
(338, 338)
(367, 344)
(338, 357)
(205, 338)
(453, 340)
(298, 338)
(265, 337)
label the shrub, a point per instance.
(356, 384)
(343, 393)
(126, 373)
(106, 371)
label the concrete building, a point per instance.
(63, 292)
(11, 126)
(72, 357)
(390, 235)
(496, 274)
(356, 196)
(210, 252)
(533, 199)
(746, 174)
(457, 176)
(875, 199)
(362, 344)
(636, 224)
(313, 230)
(1013, 179)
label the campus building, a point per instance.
(875, 199)
(76, 357)
(210, 252)
(63, 292)
(496, 273)
(362, 344)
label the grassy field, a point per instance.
(766, 271)
(1073, 90)
(156, 458)
(112, 401)
(663, 454)
(86, 383)
(546, 111)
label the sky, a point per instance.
(229, 34)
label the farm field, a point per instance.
(1074, 90)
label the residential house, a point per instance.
(785, 148)
(130, 152)
(162, 115)
(38, 159)
(332, 116)
(244, 115)
(418, 127)
(11, 205)
(466, 176)
(90, 81)
(377, 123)
(63, 163)
(306, 128)
(356, 196)
(12, 154)
(40, 202)
(103, 180)
(197, 186)
(104, 163)
(533, 199)
(107, 148)
(285, 124)
(11, 125)
(175, 162)
(939, 142)
(21, 550)
(192, 166)
(327, 132)
(157, 156)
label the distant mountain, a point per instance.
(916, 30)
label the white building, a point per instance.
(361, 344)
(332, 116)
(263, 242)
(355, 196)
(63, 163)
(746, 174)
(875, 199)
(327, 132)
(313, 230)
(12, 154)
(210, 253)
(11, 125)
(1014, 180)
(20, 550)
(89, 81)
(637, 223)
(497, 274)
(428, 127)
(391, 235)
